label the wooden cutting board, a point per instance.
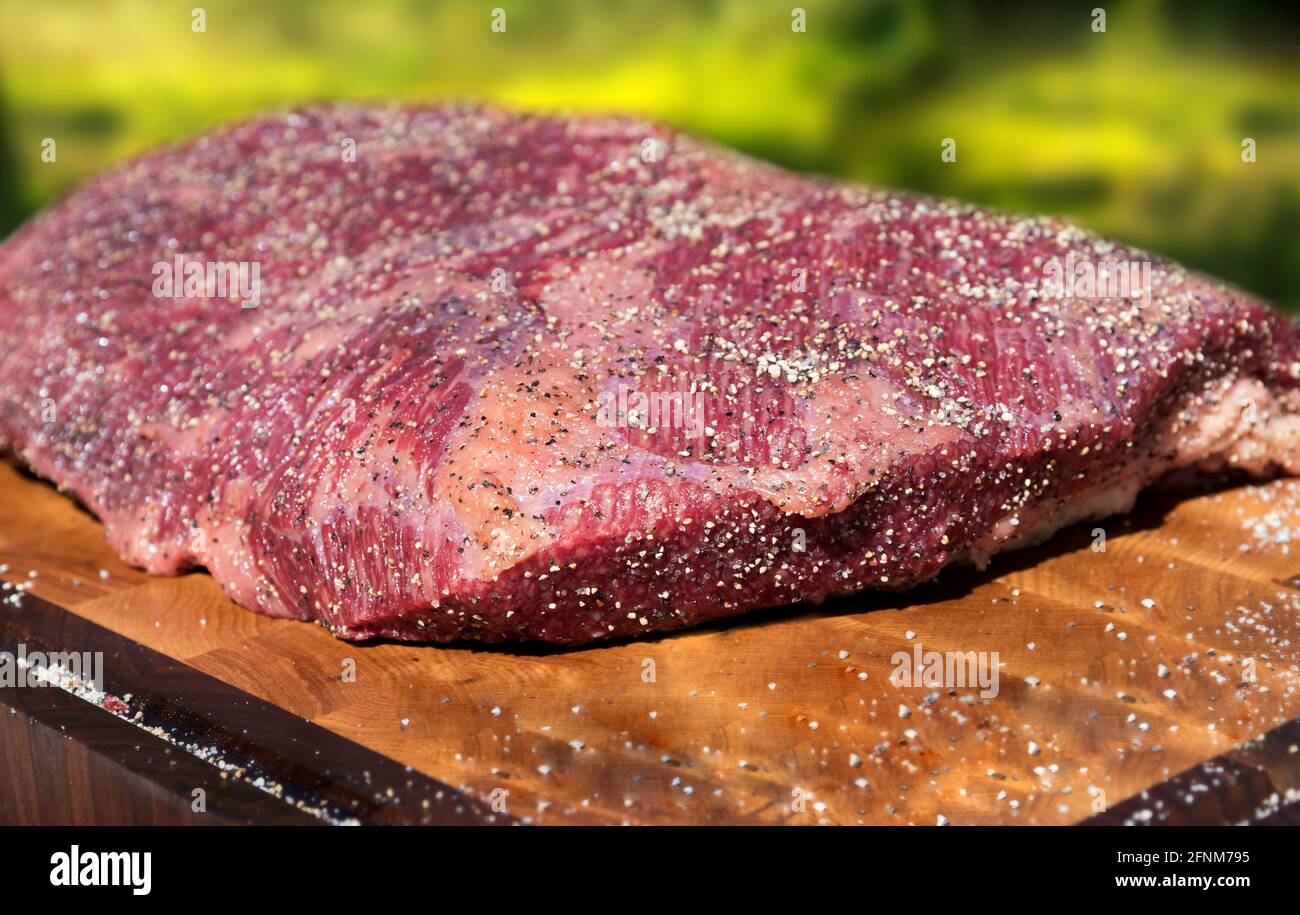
(1154, 681)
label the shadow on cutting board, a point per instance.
(1152, 508)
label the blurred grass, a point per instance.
(1136, 132)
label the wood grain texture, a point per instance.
(1119, 670)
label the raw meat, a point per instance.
(525, 378)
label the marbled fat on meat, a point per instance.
(411, 435)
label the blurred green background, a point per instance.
(1136, 132)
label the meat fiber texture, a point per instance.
(568, 379)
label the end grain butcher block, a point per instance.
(1154, 681)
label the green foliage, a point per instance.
(1135, 132)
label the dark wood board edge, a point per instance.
(1257, 783)
(293, 767)
(64, 760)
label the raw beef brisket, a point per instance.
(513, 377)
